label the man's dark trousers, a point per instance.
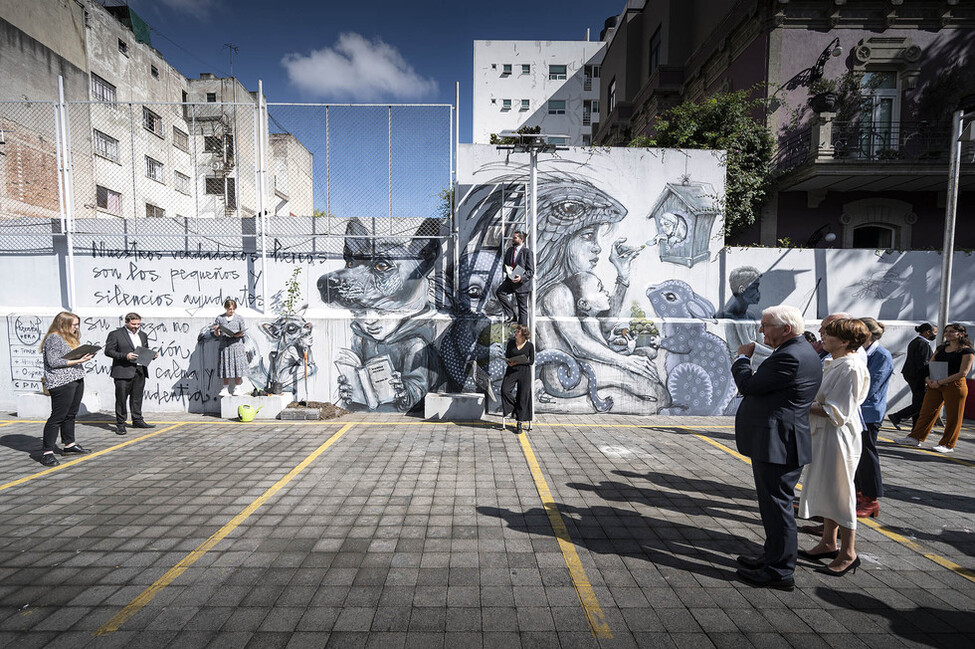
(776, 487)
(505, 293)
(130, 391)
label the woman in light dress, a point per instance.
(233, 356)
(834, 421)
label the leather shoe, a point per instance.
(48, 459)
(142, 424)
(809, 556)
(761, 579)
(120, 430)
(77, 448)
(895, 420)
(753, 561)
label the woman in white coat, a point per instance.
(836, 426)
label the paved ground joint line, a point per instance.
(173, 573)
(959, 570)
(584, 590)
(90, 456)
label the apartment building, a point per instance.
(550, 84)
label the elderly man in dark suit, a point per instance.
(772, 428)
(519, 286)
(129, 376)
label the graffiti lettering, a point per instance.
(111, 273)
(118, 297)
(135, 273)
(99, 249)
(200, 276)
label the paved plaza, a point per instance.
(389, 531)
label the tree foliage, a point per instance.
(524, 130)
(734, 122)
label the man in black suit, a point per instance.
(772, 428)
(129, 376)
(915, 371)
(520, 285)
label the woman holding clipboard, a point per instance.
(516, 387)
(947, 388)
(229, 330)
(64, 378)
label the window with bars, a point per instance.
(211, 97)
(556, 72)
(152, 122)
(123, 47)
(102, 90)
(106, 146)
(154, 211)
(181, 140)
(182, 183)
(154, 169)
(108, 200)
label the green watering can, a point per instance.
(247, 413)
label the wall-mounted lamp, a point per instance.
(822, 233)
(832, 51)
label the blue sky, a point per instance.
(379, 51)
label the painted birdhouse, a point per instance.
(684, 215)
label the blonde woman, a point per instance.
(65, 380)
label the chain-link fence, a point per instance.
(202, 175)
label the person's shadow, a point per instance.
(30, 444)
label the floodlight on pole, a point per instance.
(959, 134)
(533, 144)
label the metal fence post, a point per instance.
(261, 117)
(68, 195)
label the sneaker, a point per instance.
(907, 441)
(943, 449)
(225, 392)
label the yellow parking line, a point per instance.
(927, 452)
(85, 458)
(149, 593)
(894, 536)
(587, 597)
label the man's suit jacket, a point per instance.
(916, 362)
(526, 260)
(772, 422)
(117, 347)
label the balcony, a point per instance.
(857, 156)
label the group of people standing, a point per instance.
(64, 379)
(825, 410)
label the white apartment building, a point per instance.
(551, 84)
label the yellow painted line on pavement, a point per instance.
(587, 597)
(173, 573)
(927, 452)
(959, 570)
(85, 458)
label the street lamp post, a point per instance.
(959, 134)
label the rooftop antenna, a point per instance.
(233, 50)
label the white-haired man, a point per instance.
(772, 428)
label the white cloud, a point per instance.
(358, 69)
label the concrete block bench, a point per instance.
(37, 405)
(270, 406)
(463, 406)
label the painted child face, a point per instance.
(583, 250)
(596, 295)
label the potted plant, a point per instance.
(822, 95)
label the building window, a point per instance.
(558, 140)
(184, 96)
(181, 182)
(505, 104)
(123, 47)
(154, 169)
(108, 200)
(654, 51)
(506, 70)
(216, 186)
(525, 103)
(611, 96)
(526, 68)
(154, 211)
(106, 146)
(586, 140)
(556, 107)
(211, 97)
(878, 237)
(152, 122)
(181, 140)
(591, 72)
(217, 144)
(595, 107)
(154, 71)
(879, 116)
(556, 72)
(102, 90)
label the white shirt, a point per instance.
(134, 337)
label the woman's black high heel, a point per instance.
(822, 555)
(833, 573)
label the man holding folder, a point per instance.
(519, 268)
(128, 347)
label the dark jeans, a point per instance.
(129, 390)
(65, 402)
(867, 479)
(917, 398)
(776, 487)
(504, 295)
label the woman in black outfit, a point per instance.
(516, 388)
(915, 371)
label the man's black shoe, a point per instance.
(894, 419)
(77, 448)
(48, 459)
(753, 561)
(120, 429)
(142, 424)
(761, 579)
